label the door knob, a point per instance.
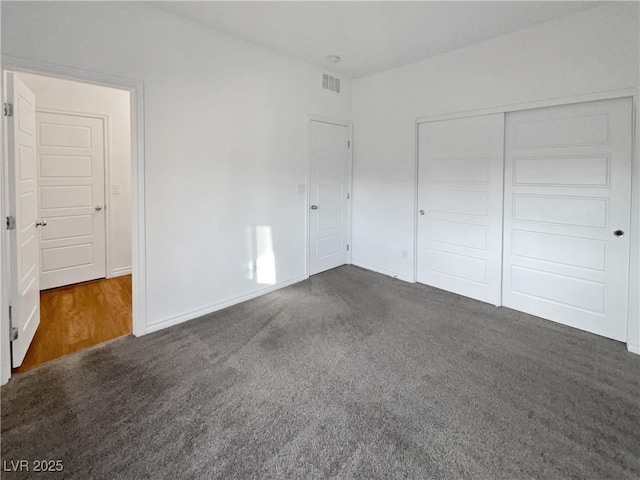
(98, 207)
(314, 207)
(619, 233)
(41, 223)
(421, 212)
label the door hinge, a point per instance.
(347, 247)
(348, 143)
(8, 110)
(348, 196)
(11, 223)
(13, 331)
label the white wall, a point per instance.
(225, 131)
(592, 51)
(225, 141)
(64, 95)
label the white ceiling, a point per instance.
(369, 36)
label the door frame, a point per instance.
(633, 306)
(307, 215)
(136, 91)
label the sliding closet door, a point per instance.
(567, 214)
(460, 188)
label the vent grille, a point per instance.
(330, 83)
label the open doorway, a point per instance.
(69, 160)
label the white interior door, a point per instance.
(460, 205)
(23, 207)
(329, 146)
(72, 198)
(567, 190)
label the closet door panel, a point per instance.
(567, 202)
(460, 189)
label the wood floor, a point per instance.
(79, 316)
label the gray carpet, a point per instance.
(350, 374)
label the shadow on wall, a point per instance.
(263, 269)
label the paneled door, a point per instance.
(72, 198)
(460, 205)
(329, 153)
(567, 214)
(23, 208)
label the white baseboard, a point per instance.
(384, 272)
(184, 317)
(119, 272)
(633, 348)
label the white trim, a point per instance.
(516, 107)
(5, 280)
(634, 297)
(107, 197)
(71, 111)
(388, 273)
(349, 125)
(307, 268)
(553, 102)
(68, 73)
(333, 121)
(136, 91)
(119, 272)
(416, 199)
(193, 314)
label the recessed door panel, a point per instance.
(569, 171)
(65, 196)
(458, 202)
(464, 267)
(562, 132)
(67, 227)
(64, 166)
(64, 135)
(562, 210)
(552, 288)
(456, 233)
(66, 257)
(329, 246)
(466, 170)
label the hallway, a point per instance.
(79, 316)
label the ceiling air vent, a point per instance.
(330, 83)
